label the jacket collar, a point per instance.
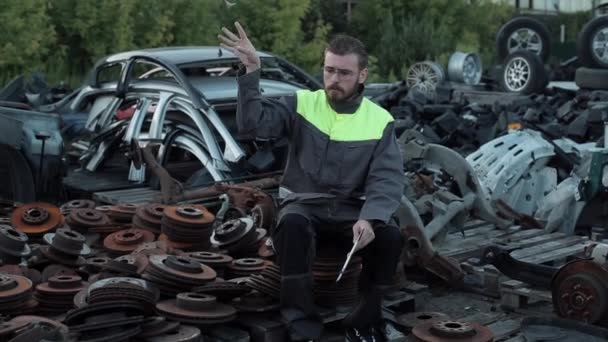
(349, 105)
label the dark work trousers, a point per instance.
(306, 225)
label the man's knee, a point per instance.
(293, 226)
(388, 237)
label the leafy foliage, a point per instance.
(64, 38)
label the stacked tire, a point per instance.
(523, 45)
(592, 52)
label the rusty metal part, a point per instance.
(15, 293)
(122, 213)
(246, 266)
(95, 264)
(31, 273)
(265, 285)
(213, 260)
(156, 326)
(76, 204)
(419, 250)
(196, 308)
(266, 249)
(151, 248)
(263, 215)
(67, 241)
(138, 263)
(533, 274)
(61, 258)
(325, 269)
(412, 319)
(190, 215)
(223, 290)
(104, 315)
(183, 333)
(579, 291)
(149, 217)
(232, 232)
(36, 218)
(57, 295)
(87, 218)
(126, 241)
(256, 302)
(173, 274)
(10, 327)
(124, 289)
(185, 246)
(39, 329)
(452, 331)
(13, 245)
(526, 221)
(182, 269)
(54, 270)
(104, 208)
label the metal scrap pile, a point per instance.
(143, 272)
(465, 120)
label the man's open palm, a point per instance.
(240, 46)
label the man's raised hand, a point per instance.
(240, 46)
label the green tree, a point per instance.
(26, 36)
(276, 26)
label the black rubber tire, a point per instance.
(16, 174)
(537, 80)
(502, 37)
(584, 41)
(587, 78)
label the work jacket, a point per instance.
(346, 153)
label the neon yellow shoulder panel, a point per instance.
(367, 123)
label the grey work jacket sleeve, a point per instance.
(385, 180)
(264, 117)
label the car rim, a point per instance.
(600, 45)
(517, 74)
(525, 39)
(424, 76)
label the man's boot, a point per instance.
(298, 310)
(366, 315)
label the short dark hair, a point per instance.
(343, 44)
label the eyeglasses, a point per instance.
(342, 73)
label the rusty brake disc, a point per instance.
(87, 218)
(191, 215)
(126, 241)
(413, 319)
(196, 308)
(183, 333)
(181, 269)
(36, 218)
(156, 326)
(452, 331)
(13, 245)
(213, 260)
(256, 302)
(67, 241)
(76, 204)
(579, 291)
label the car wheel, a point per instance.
(592, 43)
(587, 78)
(523, 73)
(425, 76)
(523, 34)
(16, 176)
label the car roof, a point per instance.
(180, 54)
(219, 88)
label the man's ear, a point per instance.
(363, 75)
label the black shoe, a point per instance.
(360, 335)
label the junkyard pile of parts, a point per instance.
(504, 217)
